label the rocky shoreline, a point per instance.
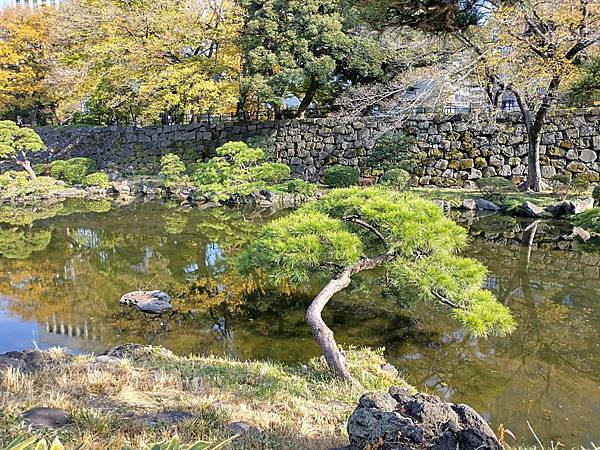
(396, 419)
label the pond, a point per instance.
(61, 278)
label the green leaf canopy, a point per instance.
(351, 224)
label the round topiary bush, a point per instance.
(301, 187)
(272, 173)
(74, 173)
(172, 169)
(395, 179)
(89, 164)
(98, 179)
(341, 176)
(57, 168)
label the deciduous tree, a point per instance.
(354, 230)
(24, 61)
(143, 58)
(530, 49)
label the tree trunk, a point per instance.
(308, 98)
(534, 169)
(321, 332)
(26, 165)
(33, 116)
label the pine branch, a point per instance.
(357, 220)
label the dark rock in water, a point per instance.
(570, 207)
(47, 417)
(401, 421)
(150, 302)
(243, 427)
(533, 210)
(165, 418)
(26, 360)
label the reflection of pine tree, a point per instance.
(20, 244)
(175, 222)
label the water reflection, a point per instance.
(61, 278)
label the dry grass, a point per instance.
(297, 408)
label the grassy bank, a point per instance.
(295, 407)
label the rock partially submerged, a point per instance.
(150, 302)
(401, 421)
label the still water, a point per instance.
(61, 278)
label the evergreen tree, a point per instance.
(307, 48)
(353, 230)
(16, 142)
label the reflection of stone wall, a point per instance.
(452, 150)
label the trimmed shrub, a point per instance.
(98, 179)
(74, 173)
(89, 164)
(172, 169)
(57, 168)
(561, 186)
(395, 178)
(495, 185)
(72, 170)
(301, 187)
(272, 173)
(341, 176)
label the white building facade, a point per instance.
(32, 3)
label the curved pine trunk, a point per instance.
(321, 332)
(26, 165)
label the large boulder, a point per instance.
(26, 360)
(399, 420)
(534, 211)
(150, 302)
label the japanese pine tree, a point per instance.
(358, 229)
(17, 142)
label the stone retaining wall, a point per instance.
(451, 150)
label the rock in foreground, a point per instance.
(150, 302)
(401, 421)
(47, 417)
